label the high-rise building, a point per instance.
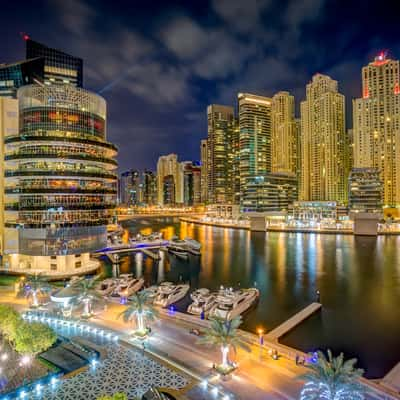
(284, 134)
(236, 162)
(376, 125)
(59, 67)
(324, 143)
(191, 183)
(270, 193)
(204, 171)
(168, 166)
(255, 124)
(60, 185)
(13, 76)
(220, 158)
(365, 190)
(8, 127)
(130, 188)
(149, 188)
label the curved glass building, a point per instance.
(60, 184)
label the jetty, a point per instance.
(151, 254)
(292, 322)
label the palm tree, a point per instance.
(87, 294)
(140, 309)
(332, 378)
(35, 286)
(223, 333)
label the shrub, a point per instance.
(33, 338)
(10, 320)
(116, 396)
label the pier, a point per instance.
(149, 250)
(292, 322)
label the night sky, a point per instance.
(159, 64)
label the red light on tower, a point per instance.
(24, 36)
(396, 88)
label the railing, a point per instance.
(59, 190)
(65, 206)
(72, 172)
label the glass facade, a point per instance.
(60, 171)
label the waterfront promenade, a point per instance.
(258, 373)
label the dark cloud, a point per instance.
(159, 64)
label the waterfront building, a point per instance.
(255, 125)
(204, 170)
(191, 183)
(220, 122)
(236, 162)
(168, 166)
(309, 211)
(149, 188)
(365, 190)
(130, 188)
(59, 67)
(15, 75)
(284, 134)
(269, 193)
(324, 143)
(376, 125)
(60, 184)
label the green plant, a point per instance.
(332, 378)
(33, 338)
(35, 286)
(87, 294)
(140, 309)
(116, 396)
(223, 333)
(10, 320)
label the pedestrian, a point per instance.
(297, 359)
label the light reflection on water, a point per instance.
(358, 277)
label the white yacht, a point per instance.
(231, 303)
(178, 248)
(106, 287)
(203, 301)
(193, 246)
(154, 239)
(130, 286)
(169, 293)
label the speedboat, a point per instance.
(178, 248)
(179, 253)
(230, 303)
(193, 246)
(169, 293)
(203, 301)
(106, 287)
(129, 286)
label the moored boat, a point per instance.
(169, 293)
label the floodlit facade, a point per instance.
(365, 190)
(376, 125)
(149, 188)
(324, 143)
(169, 180)
(60, 184)
(130, 188)
(284, 134)
(191, 183)
(220, 156)
(255, 124)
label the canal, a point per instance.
(358, 278)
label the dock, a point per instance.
(292, 322)
(151, 254)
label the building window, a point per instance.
(78, 264)
(53, 267)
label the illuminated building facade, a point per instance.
(255, 124)
(60, 184)
(365, 190)
(130, 188)
(191, 183)
(324, 143)
(168, 166)
(149, 188)
(204, 171)
(284, 134)
(376, 125)
(272, 192)
(59, 67)
(220, 157)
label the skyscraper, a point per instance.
(168, 166)
(60, 185)
(149, 188)
(220, 157)
(324, 143)
(284, 134)
(255, 124)
(191, 182)
(376, 125)
(204, 170)
(59, 67)
(130, 191)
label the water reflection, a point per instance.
(358, 277)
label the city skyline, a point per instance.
(170, 115)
